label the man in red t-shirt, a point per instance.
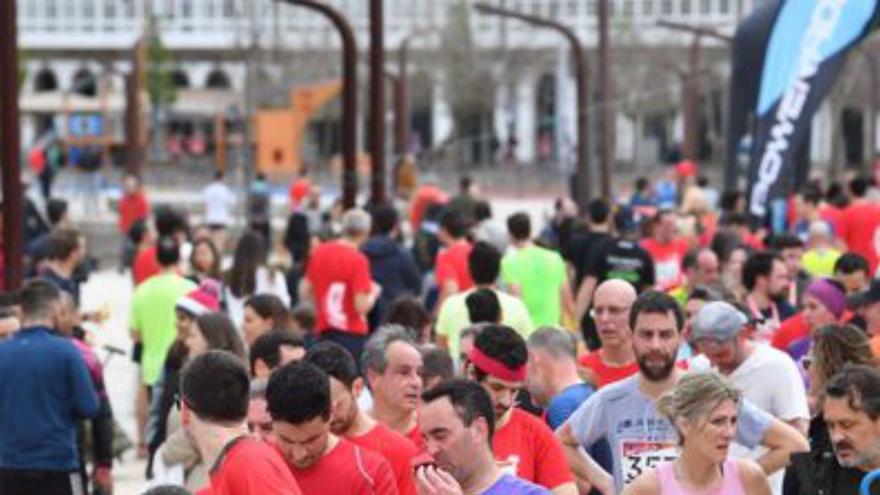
(338, 281)
(298, 397)
(451, 271)
(667, 250)
(350, 422)
(393, 364)
(523, 445)
(615, 360)
(133, 204)
(214, 389)
(859, 226)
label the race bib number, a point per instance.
(640, 456)
(667, 272)
(334, 307)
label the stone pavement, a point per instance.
(111, 290)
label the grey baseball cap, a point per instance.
(718, 320)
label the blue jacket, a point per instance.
(44, 389)
(395, 269)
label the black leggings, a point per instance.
(21, 482)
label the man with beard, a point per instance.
(625, 413)
(298, 398)
(350, 422)
(851, 409)
(393, 365)
(524, 445)
(457, 421)
(767, 281)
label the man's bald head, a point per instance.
(616, 290)
(611, 305)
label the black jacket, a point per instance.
(817, 472)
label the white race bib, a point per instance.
(640, 456)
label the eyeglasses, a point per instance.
(611, 310)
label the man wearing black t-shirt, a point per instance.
(620, 258)
(583, 244)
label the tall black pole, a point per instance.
(349, 97)
(582, 176)
(10, 148)
(377, 102)
(606, 112)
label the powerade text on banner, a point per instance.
(805, 53)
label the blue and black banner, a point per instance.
(803, 54)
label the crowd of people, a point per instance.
(655, 344)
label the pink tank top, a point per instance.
(731, 485)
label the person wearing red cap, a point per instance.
(523, 445)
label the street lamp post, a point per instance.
(607, 113)
(377, 102)
(10, 148)
(349, 96)
(580, 61)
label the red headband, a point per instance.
(496, 368)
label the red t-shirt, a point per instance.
(132, 208)
(299, 189)
(667, 261)
(526, 447)
(796, 328)
(337, 272)
(859, 227)
(251, 467)
(415, 436)
(145, 265)
(347, 470)
(606, 375)
(425, 197)
(452, 264)
(396, 449)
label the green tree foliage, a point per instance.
(158, 61)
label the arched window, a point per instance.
(218, 79)
(45, 80)
(85, 83)
(179, 79)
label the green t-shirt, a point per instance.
(540, 274)
(153, 316)
(454, 317)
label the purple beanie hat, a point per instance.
(829, 294)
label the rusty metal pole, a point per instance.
(871, 128)
(607, 112)
(377, 103)
(582, 176)
(690, 84)
(349, 96)
(691, 103)
(10, 148)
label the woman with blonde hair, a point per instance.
(703, 407)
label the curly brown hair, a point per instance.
(835, 346)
